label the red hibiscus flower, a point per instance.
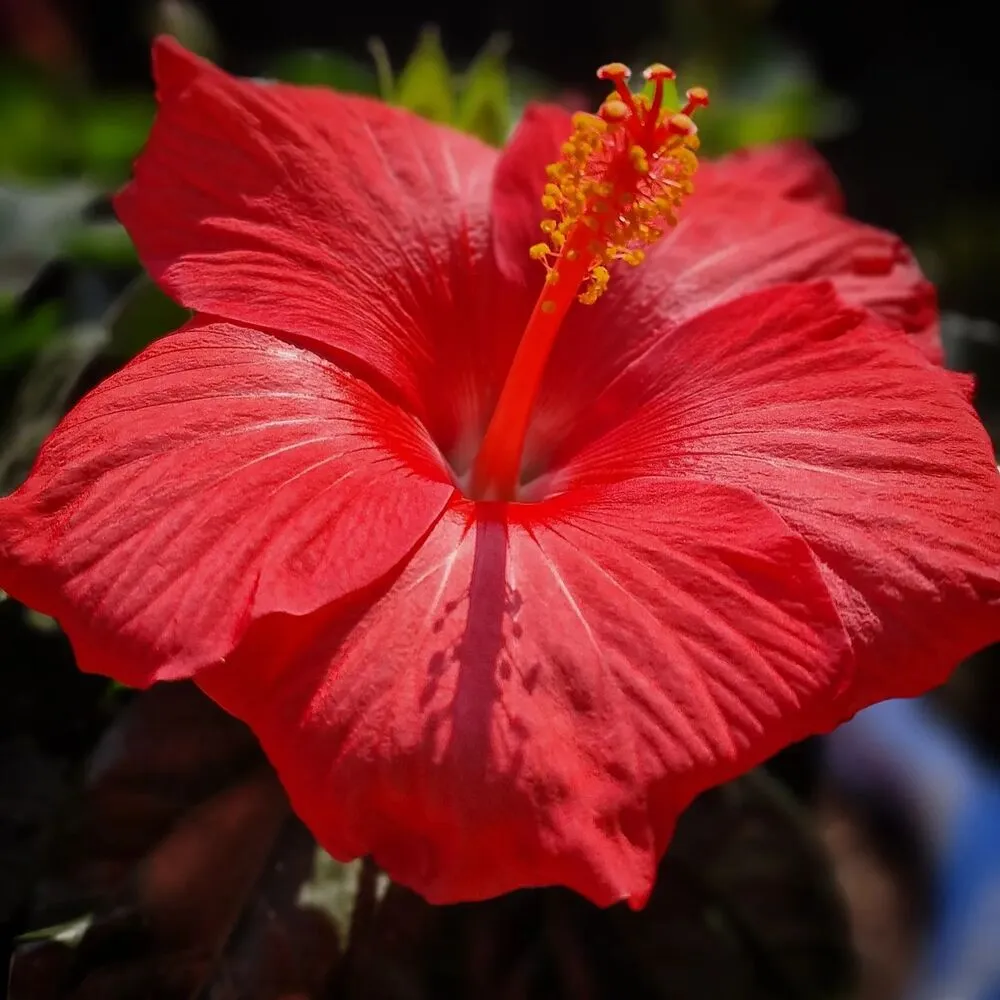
(502, 580)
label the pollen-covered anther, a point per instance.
(613, 109)
(697, 97)
(613, 71)
(659, 72)
(681, 124)
(621, 179)
(599, 278)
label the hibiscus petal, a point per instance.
(546, 686)
(722, 249)
(222, 476)
(873, 455)
(517, 188)
(792, 170)
(732, 240)
(332, 217)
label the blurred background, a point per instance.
(145, 848)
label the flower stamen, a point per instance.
(614, 191)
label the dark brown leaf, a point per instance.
(181, 864)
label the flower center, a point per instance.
(615, 190)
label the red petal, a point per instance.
(222, 476)
(868, 451)
(792, 170)
(327, 216)
(545, 686)
(724, 248)
(732, 240)
(517, 188)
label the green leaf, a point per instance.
(112, 130)
(425, 85)
(38, 137)
(322, 68)
(70, 932)
(383, 69)
(484, 107)
(24, 336)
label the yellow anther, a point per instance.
(639, 160)
(619, 182)
(586, 119)
(686, 161)
(614, 109)
(613, 71)
(659, 72)
(682, 125)
(697, 97)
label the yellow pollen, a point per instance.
(613, 109)
(621, 179)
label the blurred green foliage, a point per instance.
(425, 84)
(323, 68)
(54, 129)
(476, 100)
(770, 100)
